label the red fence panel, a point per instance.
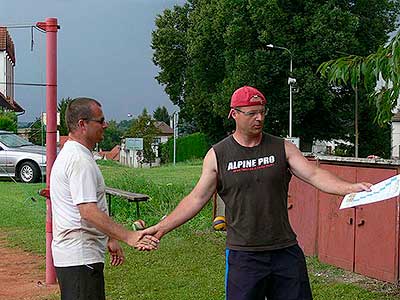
(303, 214)
(336, 229)
(376, 243)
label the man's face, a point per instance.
(96, 125)
(250, 119)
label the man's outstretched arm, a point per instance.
(192, 203)
(320, 178)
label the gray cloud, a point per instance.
(103, 52)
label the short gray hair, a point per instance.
(78, 109)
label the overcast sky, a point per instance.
(103, 52)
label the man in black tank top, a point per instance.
(251, 171)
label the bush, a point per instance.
(190, 147)
(343, 149)
(8, 121)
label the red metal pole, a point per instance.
(51, 27)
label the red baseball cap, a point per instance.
(246, 96)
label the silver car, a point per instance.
(20, 158)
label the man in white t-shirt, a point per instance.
(82, 229)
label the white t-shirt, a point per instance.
(76, 178)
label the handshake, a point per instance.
(142, 240)
(145, 239)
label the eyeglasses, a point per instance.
(101, 121)
(253, 113)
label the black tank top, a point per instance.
(253, 183)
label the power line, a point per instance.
(18, 25)
(22, 26)
(28, 84)
(25, 26)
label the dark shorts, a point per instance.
(81, 282)
(277, 275)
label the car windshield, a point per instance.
(13, 140)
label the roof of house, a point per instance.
(113, 154)
(10, 104)
(6, 43)
(164, 128)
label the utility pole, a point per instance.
(51, 28)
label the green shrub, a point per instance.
(188, 147)
(8, 121)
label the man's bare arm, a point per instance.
(91, 213)
(192, 203)
(320, 178)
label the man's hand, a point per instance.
(154, 231)
(117, 255)
(359, 187)
(142, 241)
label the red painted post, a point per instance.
(51, 27)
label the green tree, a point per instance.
(161, 114)
(366, 71)
(207, 48)
(112, 136)
(61, 108)
(8, 121)
(143, 127)
(169, 43)
(37, 134)
(124, 125)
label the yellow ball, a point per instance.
(138, 225)
(219, 223)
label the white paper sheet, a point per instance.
(383, 190)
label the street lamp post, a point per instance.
(291, 81)
(174, 125)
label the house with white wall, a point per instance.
(165, 132)
(7, 65)
(133, 158)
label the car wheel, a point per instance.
(29, 172)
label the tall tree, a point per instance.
(207, 48)
(366, 71)
(37, 134)
(112, 136)
(143, 127)
(172, 27)
(61, 108)
(161, 114)
(124, 125)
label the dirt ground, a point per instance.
(22, 276)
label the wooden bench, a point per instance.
(129, 196)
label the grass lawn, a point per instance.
(190, 262)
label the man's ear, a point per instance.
(81, 124)
(234, 114)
